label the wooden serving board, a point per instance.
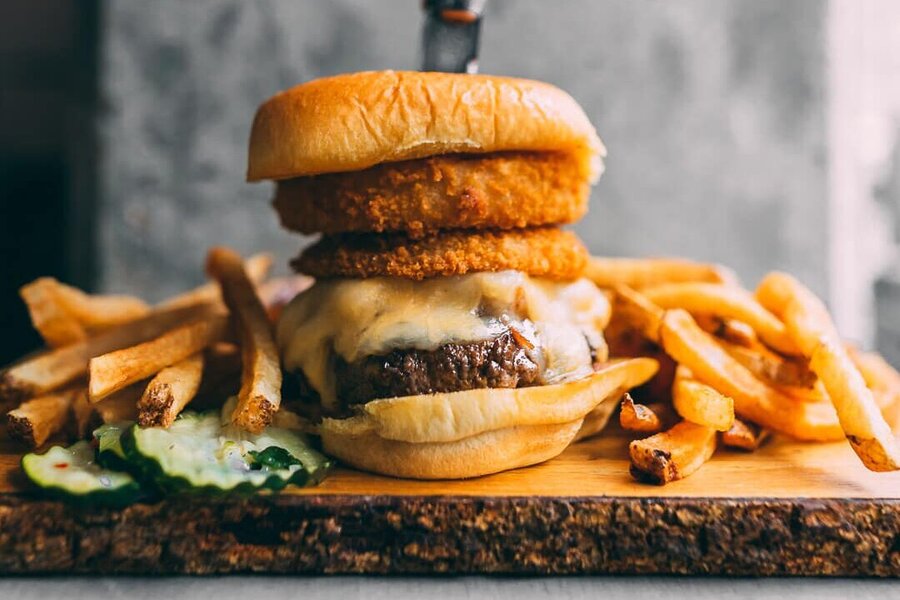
(789, 508)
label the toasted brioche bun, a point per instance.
(540, 252)
(482, 454)
(500, 190)
(358, 120)
(476, 432)
(596, 420)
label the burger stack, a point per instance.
(449, 333)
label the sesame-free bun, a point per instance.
(482, 454)
(355, 121)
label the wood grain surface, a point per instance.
(795, 509)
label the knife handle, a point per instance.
(451, 34)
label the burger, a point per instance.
(449, 332)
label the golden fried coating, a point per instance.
(541, 252)
(500, 190)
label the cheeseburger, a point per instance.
(449, 332)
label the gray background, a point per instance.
(738, 131)
(761, 134)
(713, 112)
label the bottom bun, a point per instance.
(596, 420)
(482, 454)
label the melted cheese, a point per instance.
(354, 318)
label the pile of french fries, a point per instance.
(115, 358)
(742, 365)
(736, 365)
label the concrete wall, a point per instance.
(713, 112)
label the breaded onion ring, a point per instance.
(501, 190)
(541, 252)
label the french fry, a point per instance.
(689, 345)
(673, 454)
(260, 394)
(744, 435)
(869, 434)
(52, 370)
(98, 311)
(34, 421)
(771, 367)
(170, 391)
(122, 405)
(883, 380)
(635, 309)
(806, 319)
(642, 272)
(118, 369)
(644, 418)
(83, 414)
(700, 404)
(737, 332)
(725, 302)
(809, 323)
(55, 325)
(877, 372)
(257, 267)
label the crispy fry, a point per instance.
(809, 323)
(51, 370)
(122, 405)
(805, 317)
(867, 431)
(260, 394)
(642, 272)
(34, 421)
(635, 309)
(57, 327)
(115, 370)
(257, 267)
(98, 311)
(689, 345)
(745, 435)
(725, 302)
(730, 330)
(64, 315)
(883, 380)
(83, 414)
(170, 391)
(771, 367)
(672, 454)
(737, 332)
(816, 393)
(643, 418)
(699, 403)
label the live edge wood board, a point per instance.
(789, 509)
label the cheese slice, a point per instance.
(356, 318)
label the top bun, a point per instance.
(355, 121)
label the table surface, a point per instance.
(373, 588)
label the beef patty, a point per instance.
(500, 362)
